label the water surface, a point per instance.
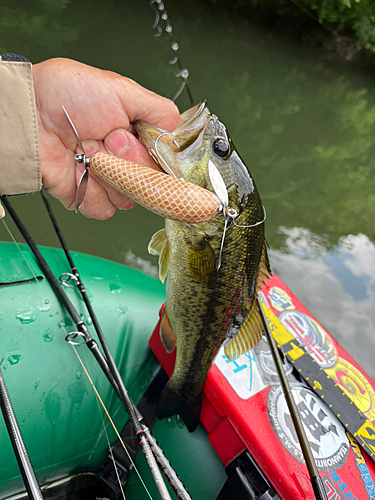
(304, 124)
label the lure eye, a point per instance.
(220, 147)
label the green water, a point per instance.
(304, 124)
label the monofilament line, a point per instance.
(111, 421)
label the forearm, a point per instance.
(20, 170)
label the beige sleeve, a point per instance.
(19, 152)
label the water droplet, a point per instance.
(115, 288)
(52, 407)
(36, 385)
(98, 276)
(174, 46)
(180, 422)
(43, 306)
(184, 73)
(78, 375)
(13, 360)
(89, 320)
(26, 315)
(4, 367)
(164, 16)
(48, 335)
(122, 309)
(67, 321)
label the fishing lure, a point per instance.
(160, 193)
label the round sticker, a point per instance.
(355, 386)
(279, 299)
(312, 336)
(326, 435)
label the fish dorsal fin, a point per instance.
(264, 271)
(248, 335)
(202, 263)
(167, 336)
(159, 246)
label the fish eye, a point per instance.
(220, 147)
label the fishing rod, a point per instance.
(167, 469)
(93, 346)
(312, 468)
(18, 444)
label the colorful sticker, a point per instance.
(311, 336)
(362, 467)
(355, 385)
(330, 489)
(279, 299)
(325, 433)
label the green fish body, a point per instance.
(208, 304)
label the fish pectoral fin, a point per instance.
(248, 335)
(167, 336)
(159, 246)
(202, 263)
(264, 270)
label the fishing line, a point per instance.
(161, 15)
(109, 418)
(108, 442)
(19, 249)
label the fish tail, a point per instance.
(171, 403)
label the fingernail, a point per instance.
(91, 146)
(117, 142)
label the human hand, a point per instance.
(102, 106)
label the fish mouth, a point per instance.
(164, 146)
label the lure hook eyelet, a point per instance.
(80, 158)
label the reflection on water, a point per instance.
(336, 285)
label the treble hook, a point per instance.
(80, 158)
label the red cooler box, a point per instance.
(244, 407)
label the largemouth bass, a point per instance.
(213, 269)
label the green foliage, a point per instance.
(348, 16)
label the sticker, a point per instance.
(355, 385)
(330, 489)
(341, 485)
(362, 467)
(253, 371)
(312, 337)
(325, 433)
(242, 373)
(279, 299)
(266, 365)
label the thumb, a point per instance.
(123, 144)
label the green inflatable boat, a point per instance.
(65, 430)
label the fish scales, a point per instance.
(207, 305)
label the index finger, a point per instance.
(142, 104)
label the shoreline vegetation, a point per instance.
(345, 28)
